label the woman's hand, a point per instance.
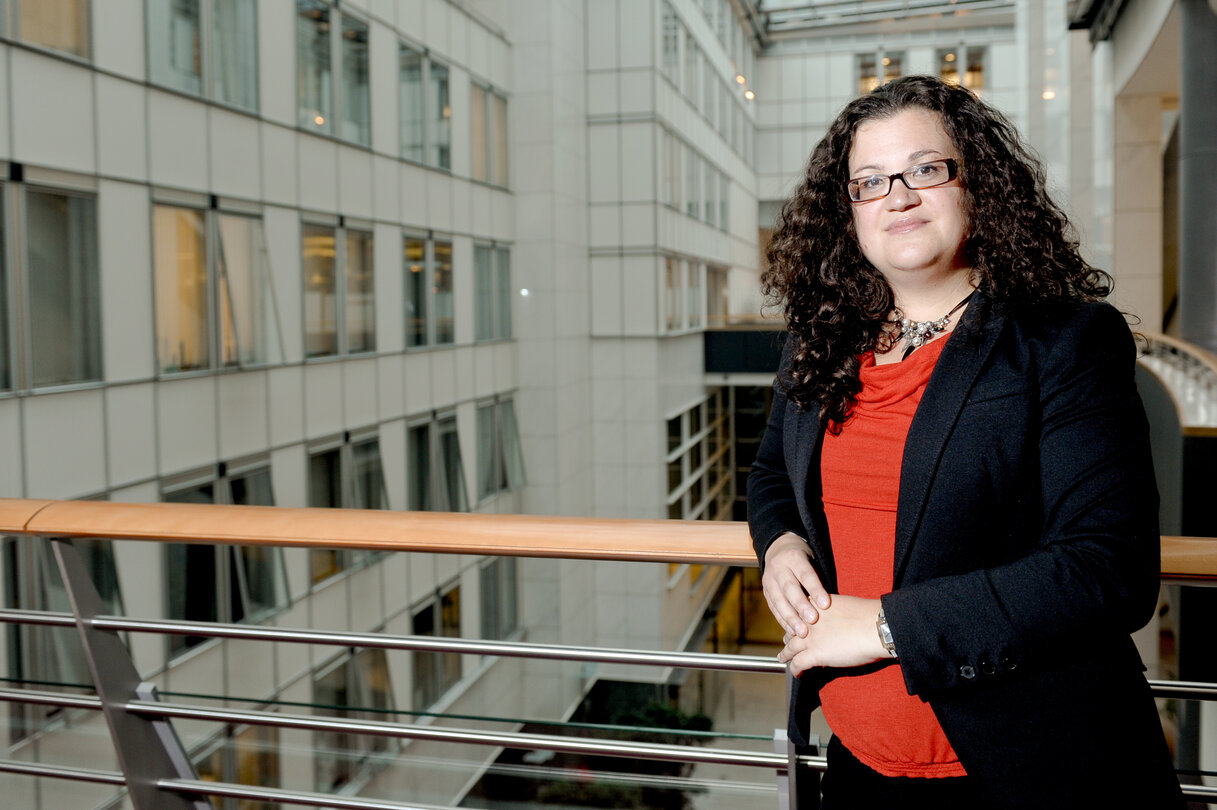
(844, 636)
(791, 586)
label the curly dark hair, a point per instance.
(837, 305)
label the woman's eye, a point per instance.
(924, 170)
(874, 181)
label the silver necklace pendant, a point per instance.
(916, 334)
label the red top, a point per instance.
(893, 732)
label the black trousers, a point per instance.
(850, 785)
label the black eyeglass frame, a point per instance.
(952, 172)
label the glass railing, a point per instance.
(672, 706)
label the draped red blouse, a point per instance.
(893, 732)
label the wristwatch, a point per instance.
(885, 635)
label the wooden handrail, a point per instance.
(697, 541)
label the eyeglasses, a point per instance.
(923, 175)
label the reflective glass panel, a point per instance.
(320, 291)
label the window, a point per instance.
(59, 24)
(62, 286)
(710, 203)
(215, 304)
(492, 292)
(672, 147)
(436, 673)
(49, 654)
(488, 125)
(700, 473)
(499, 593)
(692, 183)
(427, 264)
(868, 73)
(893, 66)
(693, 294)
(210, 583)
(436, 473)
(344, 474)
(500, 463)
(426, 111)
(355, 686)
(971, 61)
(205, 47)
(673, 299)
(332, 71)
(724, 208)
(717, 297)
(671, 44)
(324, 250)
(692, 83)
(243, 755)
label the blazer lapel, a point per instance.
(954, 374)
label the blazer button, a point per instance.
(988, 667)
(967, 671)
(1007, 663)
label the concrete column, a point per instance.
(1197, 173)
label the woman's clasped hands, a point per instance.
(820, 630)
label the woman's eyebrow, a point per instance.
(913, 158)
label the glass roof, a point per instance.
(780, 19)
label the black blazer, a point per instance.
(1027, 550)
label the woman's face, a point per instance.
(911, 237)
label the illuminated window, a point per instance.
(332, 71)
(339, 313)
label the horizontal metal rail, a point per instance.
(1193, 690)
(69, 772)
(342, 638)
(41, 698)
(507, 739)
(198, 787)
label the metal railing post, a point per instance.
(799, 789)
(148, 749)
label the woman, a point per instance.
(953, 504)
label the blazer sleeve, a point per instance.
(1092, 575)
(772, 507)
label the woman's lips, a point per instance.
(905, 225)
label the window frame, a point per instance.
(437, 497)
(343, 561)
(227, 560)
(11, 19)
(500, 470)
(17, 316)
(497, 166)
(445, 664)
(431, 328)
(496, 307)
(332, 127)
(207, 58)
(341, 227)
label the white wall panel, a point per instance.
(177, 141)
(438, 201)
(130, 445)
(124, 257)
(285, 390)
(122, 145)
(186, 423)
(52, 112)
(65, 454)
(286, 270)
(385, 189)
(393, 455)
(602, 46)
(11, 438)
(277, 60)
(640, 290)
(235, 152)
(390, 388)
(383, 78)
(244, 416)
(317, 173)
(355, 182)
(278, 164)
(289, 476)
(358, 388)
(638, 167)
(323, 397)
